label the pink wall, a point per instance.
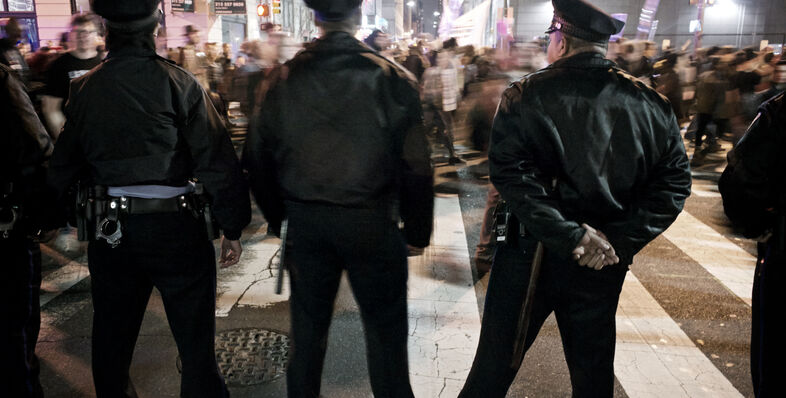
(53, 19)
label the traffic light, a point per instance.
(276, 6)
(263, 10)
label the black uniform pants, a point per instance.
(584, 302)
(326, 240)
(171, 252)
(767, 332)
(21, 317)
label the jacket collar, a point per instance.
(131, 52)
(589, 59)
(338, 42)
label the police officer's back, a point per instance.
(578, 149)
(336, 147)
(138, 129)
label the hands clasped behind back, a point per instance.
(594, 250)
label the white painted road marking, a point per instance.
(251, 282)
(731, 265)
(444, 324)
(655, 358)
(58, 281)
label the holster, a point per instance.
(94, 208)
(205, 212)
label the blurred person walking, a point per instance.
(147, 225)
(577, 148)
(338, 151)
(24, 213)
(10, 55)
(441, 95)
(193, 57)
(710, 107)
(68, 66)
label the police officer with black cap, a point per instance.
(139, 131)
(592, 165)
(338, 149)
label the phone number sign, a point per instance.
(230, 7)
(183, 5)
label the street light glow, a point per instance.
(411, 3)
(436, 13)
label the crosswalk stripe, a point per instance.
(655, 358)
(731, 265)
(705, 189)
(58, 281)
(444, 324)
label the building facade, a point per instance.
(219, 21)
(739, 23)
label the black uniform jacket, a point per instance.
(25, 143)
(138, 119)
(753, 183)
(341, 125)
(612, 145)
(24, 147)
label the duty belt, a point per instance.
(110, 227)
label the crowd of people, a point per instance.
(136, 169)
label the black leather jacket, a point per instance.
(753, 182)
(341, 125)
(612, 145)
(139, 119)
(24, 146)
(25, 143)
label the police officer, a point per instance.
(24, 211)
(142, 128)
(337, 144)
(754, 198)
(577, 148)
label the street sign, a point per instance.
(230, 7)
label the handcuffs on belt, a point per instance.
(8, 218)
(109, 228)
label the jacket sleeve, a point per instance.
(748, 184)
(659, 201)
(216, 165)
(522, 180)
(416, 185)
(68, 163)
(259, 162)
(23, 109)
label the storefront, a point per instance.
(23, 11)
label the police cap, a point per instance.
(582, 20)
(333, 10)
(124, 10)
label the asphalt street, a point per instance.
(683, 321)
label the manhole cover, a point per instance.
(251, 356)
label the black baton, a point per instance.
(280, 277)
(526, 309)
